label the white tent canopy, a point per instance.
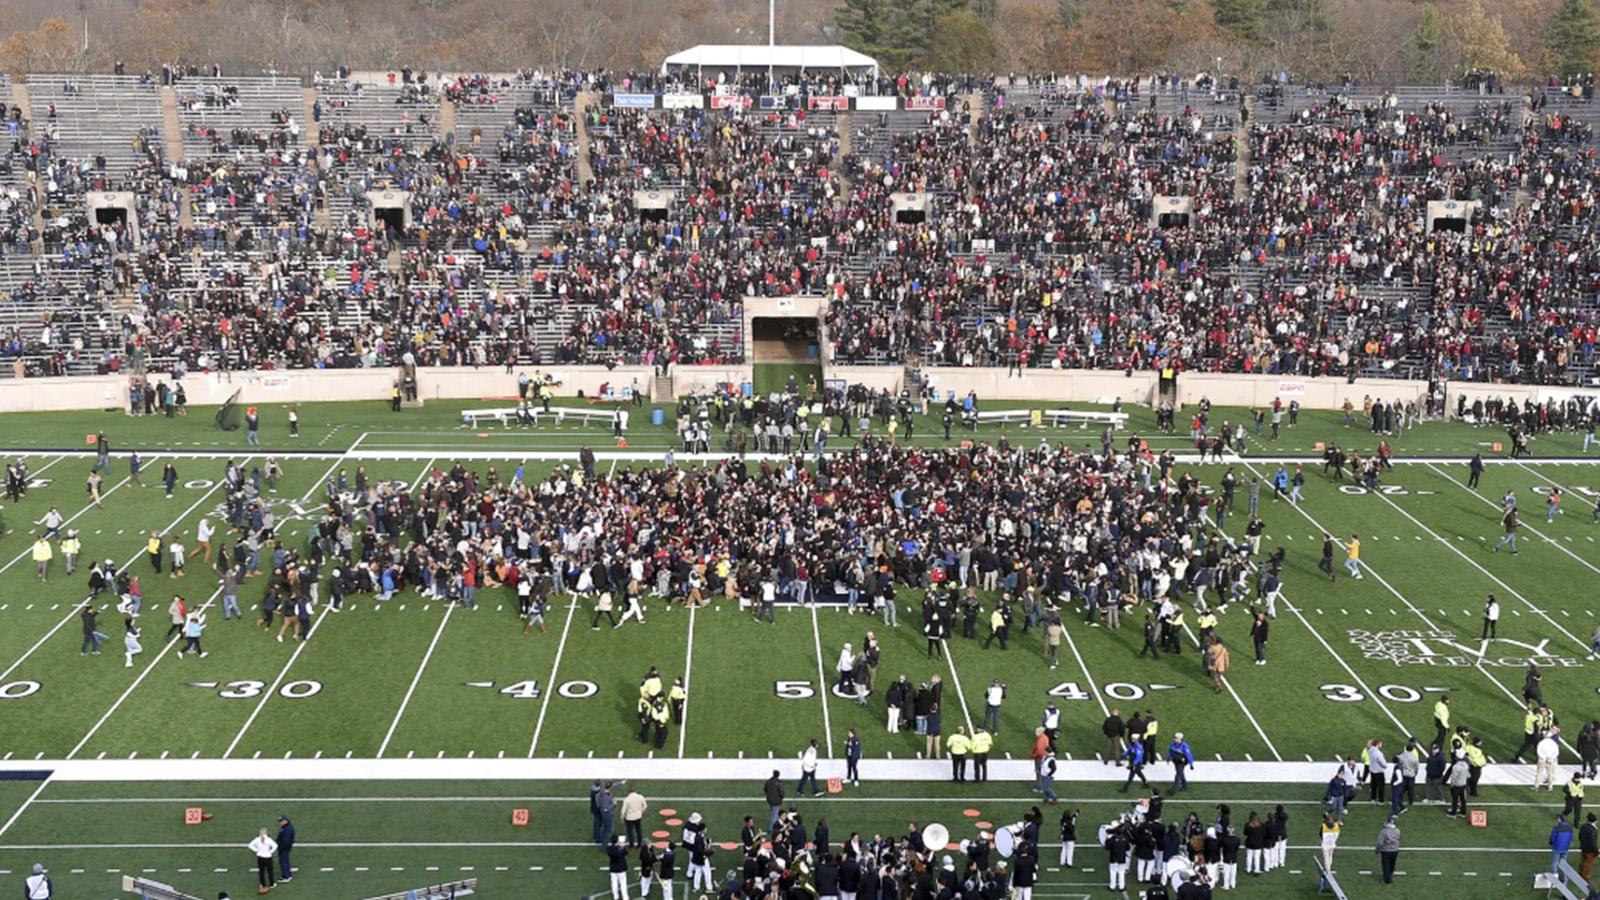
(810, 58)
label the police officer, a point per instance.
(982, 743)
(958, 745)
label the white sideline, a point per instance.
(639, 768)
(401, 454)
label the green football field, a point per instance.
(428, 694)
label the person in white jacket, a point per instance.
(265, 849)
(37, 886)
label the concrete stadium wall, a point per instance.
(492, 382)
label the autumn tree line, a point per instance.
(1378, 41)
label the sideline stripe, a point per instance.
(688, 664)
(543, 845)
(744, 801)
(641, 768)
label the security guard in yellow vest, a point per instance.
(1476, 760)
(1441, 721)
(650, 688)
(676, 696)
(1530, 732)
(1151, 727)
(957, 745)
(1574, 808)
(982, 743)
(1207, 623)
(660, 715)
(646, 714)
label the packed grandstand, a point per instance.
(1308, 249)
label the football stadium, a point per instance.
(483, 450)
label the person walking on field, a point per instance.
(1508, 521)
(1352, 559)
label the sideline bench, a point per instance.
(1327, 884)
(1061, 418)
(447, 891)
(507, 416)
(153, 890)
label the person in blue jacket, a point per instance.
(285, 844)
(1560, 843)
(1182, 759)
(1135, 757)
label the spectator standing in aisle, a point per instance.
(265, 849)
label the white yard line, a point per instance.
(550, 686)
(73, 612)
(415, 680)
(1490, 575)
(1368, 691)
(688, 663)
(1589, 565)
(956, 680)
(1239, 700)
(70, 519)
(824, 686)
(128, 692)
(24, 807)
(1300, 508)
(300, 648)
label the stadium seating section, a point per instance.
(1307, 251)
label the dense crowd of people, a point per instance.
(1305, 248)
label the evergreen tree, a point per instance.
(1573, 37)
(1242, 17)
(1425, 41)
(865, 26)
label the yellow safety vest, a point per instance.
(982, 741)
(958, 744)
(651, 687)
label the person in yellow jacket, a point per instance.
(1476, 760)
(982, 743)
(152, 549)
(1574, 807)
(650, 688)
(41, 557)
(1441, 720)
(70, 548)
(676, 697)
(958, 745)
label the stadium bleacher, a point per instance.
(1307, 250)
